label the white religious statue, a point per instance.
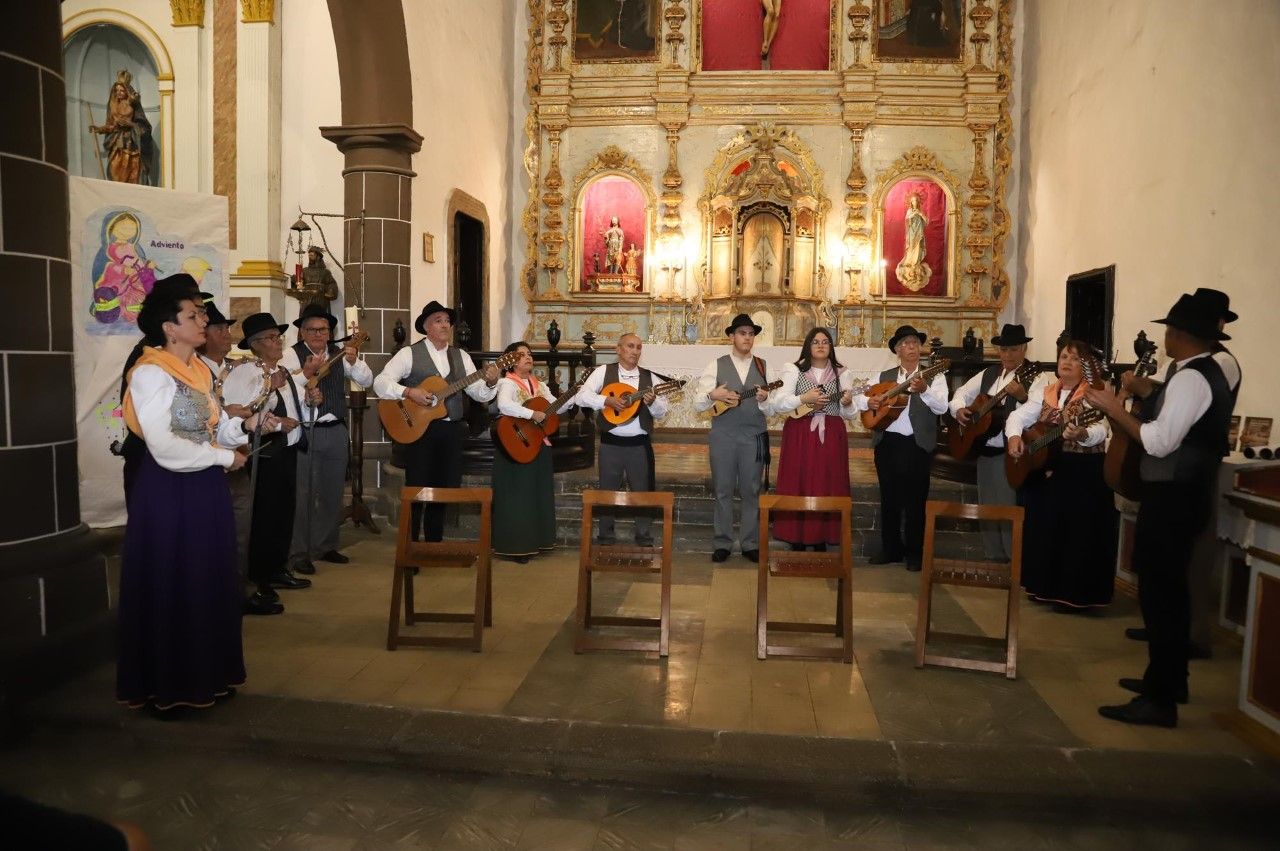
(913, 272)
(772, 9)
(613, 237)
(766, 262)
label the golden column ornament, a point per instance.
(532, 151)
(258, 11)
(859, 16)
(978, 240)
(557, 17)
(672, 198)
(857, 237)
(187, 13)
(981, 15)
(675, 15)
(1003, 154)
(553, 221)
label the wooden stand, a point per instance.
(357, 512)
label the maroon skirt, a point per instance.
(809, 467)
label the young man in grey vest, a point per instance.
(435, 459)
(627, 449)
(904, 452)
(327, 447)
(739, 440)
(1184, 441)
(993, 484)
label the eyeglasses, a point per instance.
(268, 338)
(323, 329)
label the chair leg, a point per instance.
(1011, 635)
(583, 615)
(488, 592)
(846, 599)
(664, 615)
(393, 621)
(922, 614)
(762, 610)
(479, 612)
(408, 597)
(839, 628)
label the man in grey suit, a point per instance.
(739, 441)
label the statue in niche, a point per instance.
(126, 135)
(766, 262)
(632, 265)
(613, 238)
(772, 10)
(317, 286)
(912, 271)
(595, 262)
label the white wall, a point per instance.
(1149, 138)
(460, 56)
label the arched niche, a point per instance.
(916, 226)
(613, 185)
(108, 38)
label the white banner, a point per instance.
(123, 239)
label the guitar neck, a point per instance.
(461, 384)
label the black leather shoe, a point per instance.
(720, 555)
(644, 540)
(913, 565)
(1136, 633)
(884, 558)
(261, 604)
(288, 580)
(1137, 686)
(305, 567)
(335, 557)
(1142, 711)
(1199, 651)
(751, 555)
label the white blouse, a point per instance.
(244, 384)
(511, 403)
(784, 400)
(153, 391)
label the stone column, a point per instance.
(54, 608)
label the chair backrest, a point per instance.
(969, 511)
(778, 502)
(409, 552)
(796, 563)
(629, 499)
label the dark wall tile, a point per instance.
(55, 119)
(34, 208)
(353, 194)
(74, 594)
(389, 318)
(33, 515)
(21, 132)
(24, 325)
(381, 285)
(42, 398)
(406, 197)
(67, 484)
(60, 306)
(403, 291)
(35, 33)
(382, 195)
(395, 242)
(372, 241)
(19, 610)
(4, 406)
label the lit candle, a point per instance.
(351, 322)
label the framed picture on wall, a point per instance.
(1256, 432)
(919, 30)
(616, 30)
(1233, 433)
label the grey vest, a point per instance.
(646, 381)
(746, 418)
(924, 422)
(1201, 450)
(333, 385)
(424, 367)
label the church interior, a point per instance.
(577, 174)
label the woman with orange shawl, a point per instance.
(1070, 527)
(180, 599)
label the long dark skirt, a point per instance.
(1069, 533)
(180, 599)
(809, 467)
(524, 505)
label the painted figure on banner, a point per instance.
(126, 275)
(772, 10)
(633, 258)
(913, 272)
(318, 285)
(126, 135)
(613, 238)
(616, 29)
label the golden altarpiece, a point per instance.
(678, 171)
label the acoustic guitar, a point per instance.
(406, 421)
(803, 410)
(718, 408)
(523, 439)
(986, 415)
(896, 397)
(1042, 441)
(630, 398)
(1120, 470)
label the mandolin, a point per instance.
(1043, 440)
(719, 408)
(407, 421)
(630, 397)
(357, 339)
(523, 439)
(896, 396)
(987, 415)
(1124, 455)
(803, 410)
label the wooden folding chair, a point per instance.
(595, 558)
(413, 556)
(837, 566)
(971, 574)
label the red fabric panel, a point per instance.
(608, 197)
(935, 235)
(731, 34)
(803, 41)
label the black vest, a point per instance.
(924, 422)
(333, 385)
(646, 381)
(1206, 441)
(424, 367)
(1235, 391)
(990, 374)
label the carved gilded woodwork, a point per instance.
(675, 16)
(859, 16)
(978, 239)
(552, 220)
(981, 15)
(557, 18)
(187, 13)
(611, 161)
(258, 11)
(1000, 287)
(919, 162)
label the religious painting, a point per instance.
(1256, 433)
(774, 35)
(1233, 433)
(761, 264)
(914, 239)
(614, 212)
(922, 30)
(616, 30)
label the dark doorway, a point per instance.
(1090, 302)
(468, 246)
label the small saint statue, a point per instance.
(613, 237)
(633, 261)
(317, 286)
(595, 262)
(126, 135)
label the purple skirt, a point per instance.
(180, 594)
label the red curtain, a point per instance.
(733, 29)
(608, 197)
(935, 235)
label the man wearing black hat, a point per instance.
(435, 459)
(739, 441)
(217, 345)
(904, 452)
(993, 484)
(1184, 443)
(322, 469)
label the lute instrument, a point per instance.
(406, 421)
(358, 338)
(718, 408)
(895, 397)
(1042, 441)
(986, 415)
(523, 439)
(630, 397)
(1120, 470)
(804, 410)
